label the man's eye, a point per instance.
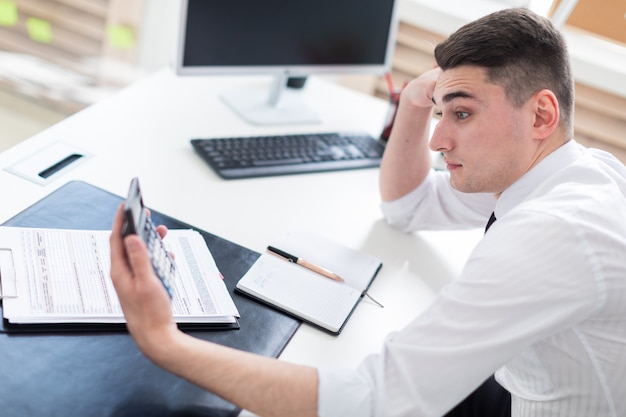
(462, 115)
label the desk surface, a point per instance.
(145, 130)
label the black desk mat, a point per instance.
(69, 373)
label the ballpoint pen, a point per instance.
(308, 265)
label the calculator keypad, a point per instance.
(161, 260)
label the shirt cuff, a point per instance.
(399, 212)
(343, 393)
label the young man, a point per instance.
(541, 301)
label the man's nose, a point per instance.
(440, 141)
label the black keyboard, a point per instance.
(260, 156)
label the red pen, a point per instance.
(392, 91)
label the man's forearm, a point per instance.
(407, 160)
(264, 386)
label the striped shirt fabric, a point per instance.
(541, 301)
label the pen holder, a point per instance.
(394, 100)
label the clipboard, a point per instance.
(103, 372)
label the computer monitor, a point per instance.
(286, 39)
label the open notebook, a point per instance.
(318, 300)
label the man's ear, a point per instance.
(547, 115)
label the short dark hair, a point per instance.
(521, 51)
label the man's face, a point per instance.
(486, 142)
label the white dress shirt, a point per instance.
(541, 301)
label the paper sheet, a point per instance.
(63, 275)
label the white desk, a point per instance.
(144, 131)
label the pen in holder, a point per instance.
(394, 100)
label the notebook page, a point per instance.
(300, 291)
(356, 267)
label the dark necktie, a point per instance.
(492, 219)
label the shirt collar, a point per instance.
(527, 183)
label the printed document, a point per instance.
(63, 276)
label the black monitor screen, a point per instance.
(287, 33)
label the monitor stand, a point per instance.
(278, 107)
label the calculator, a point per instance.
(138, 222)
